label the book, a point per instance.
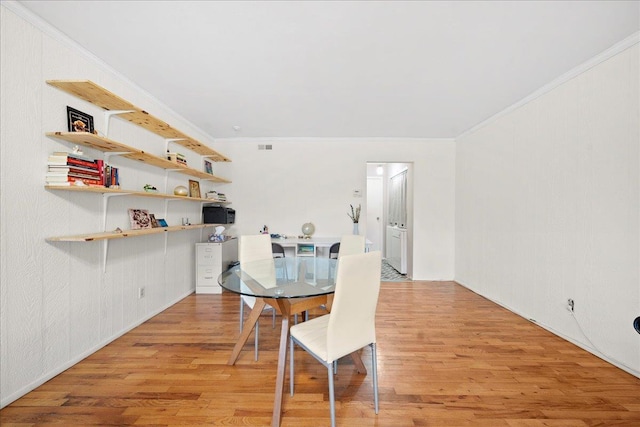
(72, 181)
(70, 160)
(74, 155)
(74, 169)
(59, 176)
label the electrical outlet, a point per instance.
(570, 305)
(140, 293)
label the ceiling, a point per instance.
(341, 68)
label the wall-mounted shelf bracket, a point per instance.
(105, 243)
(168, 141)
(108, 154)
(107, 118)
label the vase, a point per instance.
(355, 228)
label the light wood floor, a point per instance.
(446, 357)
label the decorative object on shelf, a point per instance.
(77, 121)
(308, 229)
(355, 217)
(150, 188)
(194, 189)
(211, 195)
(162, 222)
(177, 158)
(355, 214)
(181, 190)
(208, 168)
(154, 221)
(139, 219)
(77, 150)
(185, 221)
(265, 230)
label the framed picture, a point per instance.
(208, 168)
(194, 189)
(154, 222)
(162, 222)
(77, 121)
(139, 219)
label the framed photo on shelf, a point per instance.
(77, 121)
(154, 222)
(194, 189)
(139, 219)
(208, 168)
(162, 222)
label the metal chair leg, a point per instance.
(332, 402)
(256, 332)
(374, 368)
(291, 366)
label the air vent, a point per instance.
(265, 147)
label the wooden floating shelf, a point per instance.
(105, 190)
(110, 146)
(97, 95)
(126, 233)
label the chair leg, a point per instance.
(374, 368)
(291, 366)
(257, 334)
(332, 403)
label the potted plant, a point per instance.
(355, 217)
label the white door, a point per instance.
(375, 209)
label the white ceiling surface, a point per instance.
(341, 69)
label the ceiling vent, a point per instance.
(265, 147)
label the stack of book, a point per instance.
(70, 168)
(221, 197)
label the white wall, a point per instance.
(57, 305)
(314, 179)
(547, 208)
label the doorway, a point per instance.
(382, 223)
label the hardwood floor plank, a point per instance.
(458, 360)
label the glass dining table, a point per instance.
(291, 285)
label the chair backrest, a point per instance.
(353, 312)
(351, 244)
(334, 250)
(254, 247)
(277, 250)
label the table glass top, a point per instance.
(289, 277)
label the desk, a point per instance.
(259, 279)
(315, 242)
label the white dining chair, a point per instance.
(351, 324)
(254, 248)
(350, 244)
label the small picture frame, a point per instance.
(162, 222)
(139, 219)
(77, 121)
(208, 167)
(154, 222)
(194, 189)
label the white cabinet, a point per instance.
(397, 248)
(211, 260)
